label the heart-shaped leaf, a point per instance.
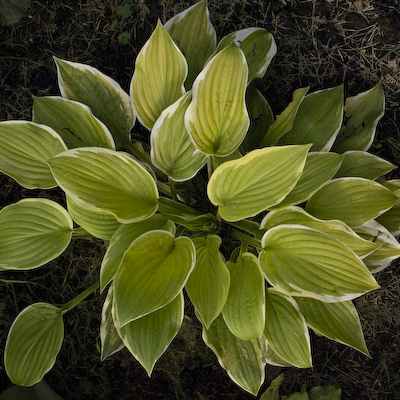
(160, 71)
(33, 232)
(34, 340)
(260, 180)
(301, 261)
(153, 272)
(24, 149)
(73, 121)
(208, 284)
(105, 180)
(217, 118)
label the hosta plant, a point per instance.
(269, 225)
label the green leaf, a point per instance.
(195, 35)
(260, 180)
(12, 10)
(40, 391)
(153, 271)
(286, 329)
(105, 180)
(208, 284)
(160, 71)
(304, 262)
(148, 337)
(33, 232)
(388, 247)
(363, 165)
(363, 112)
(272, 393)
(172, 151)
(319, 169)
(337, 321)
(24, 149)
(242, 359)
(121, 241)
(273, 359)
(318, 120)
(258, 46)
(352, 200)
(325, 393)
(217, 118)
(98, 223)
(338, 229)
(284, 121)
(109, 336)
(391, 219)
(33, 342)
(73, 121)
(244, 311)
(261, 117)
(102, 94)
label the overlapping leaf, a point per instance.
(33, 232)
(242, 359)
(286, 330)
(301, 261)
(318, 120)
(33, 342)
(160, 71)
(153, 272)
(244, 311)
(217, 118)
(171, 148)
(195, 35)
(73, 121)
(352, 200)
(208, 284)
(105, 180)
(260, 180)
(102, 94)
(24, 149)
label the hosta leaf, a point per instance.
(261, 117)
(33, 232)
(12, 10)
(272, 358)
(337, 321)
(195, 35)
(148, 337)
(242, 359)
(391, 219)
(329, 392)
(102, 94)
(109, 336)
(363, 165)
(208, 284)
(105, 180)
(272, 393)
(33, 342)
(319, 169)
(284, 121)
(244, 311)
(301, 261)
(217, 118)
(363, 112)
(258, 46)
(160, 71)
(73, 121)
(318, 120)
(286, 330)
(352, 200)
(172, 151)
(24, 149)
(153, 271)
(388, 247)
(121, 241)
(260, 180)
(98, 223)
(338, 229)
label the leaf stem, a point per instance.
(246, 239)
(173, 189)
(78, 299)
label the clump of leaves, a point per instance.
(271, 224)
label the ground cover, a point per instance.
(321, 44)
